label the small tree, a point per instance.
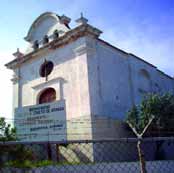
(7, 133)
(160, 106)
(156, 107)
(7, 153)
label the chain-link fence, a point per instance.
(156, 155)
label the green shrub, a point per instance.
(19, 164)
(28, 164)
(44, 163)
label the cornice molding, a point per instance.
(41, 84)
(70, 36)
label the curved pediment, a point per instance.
(46, 24)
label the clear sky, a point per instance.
(142, 27)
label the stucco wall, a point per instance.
(158, 81)
(70, 72)
(109, 75)
(116, 80)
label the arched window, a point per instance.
(48, 95)
(144, 73)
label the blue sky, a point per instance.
(142, 27)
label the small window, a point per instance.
(56, 34)
(45, 39)
(36, 45)
(46, 68)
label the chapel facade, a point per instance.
(98, 82)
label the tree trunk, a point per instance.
(141, 158)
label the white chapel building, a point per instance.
(93, 82)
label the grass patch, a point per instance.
(31, 164)
(28, 164)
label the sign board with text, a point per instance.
(44, 122)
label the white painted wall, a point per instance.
(109, 75)
(164, 83)
(70, 69)
(115, 81)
